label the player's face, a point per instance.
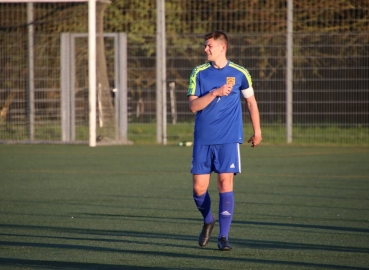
(213, 49)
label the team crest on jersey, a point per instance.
(231, 81)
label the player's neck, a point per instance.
(221, 63)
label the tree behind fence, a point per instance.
(330, 64)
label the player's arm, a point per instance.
(199, 103)
(253, 109)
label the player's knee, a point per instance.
(199, 189)
(223, 189)
(225, 185)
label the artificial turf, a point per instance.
(131, 207)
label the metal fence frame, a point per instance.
(287, 92)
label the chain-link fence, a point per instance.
(330, 88)
(30, 69)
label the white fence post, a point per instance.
(289, 71)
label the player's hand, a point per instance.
(224, 90)
(255, 140)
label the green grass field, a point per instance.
(146, 133)
(131, 207)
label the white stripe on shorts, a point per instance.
(239, 157)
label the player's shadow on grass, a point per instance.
(139, 236)
(172, 220)
(302, 205)
(263, 244)
(86, 235)
(199, 256)
(307, 226)
(37, 264)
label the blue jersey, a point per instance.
(221, 121)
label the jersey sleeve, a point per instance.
(194, 88)
(193, 85)
(247, 81)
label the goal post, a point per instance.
(92, 70)
(72, 48)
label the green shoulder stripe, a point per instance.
(192, 86)
(243, 70)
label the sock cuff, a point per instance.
(226, 194)
(201, 196)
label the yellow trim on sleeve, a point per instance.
(243, 70)
(192, 85)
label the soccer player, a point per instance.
(214, 95)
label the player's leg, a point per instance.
(201, 196)
(225, 182)
(227, 165)
(201, 170)
(226, 207)
(203, 202)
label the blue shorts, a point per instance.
(219, 158)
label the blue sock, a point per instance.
(203, 203)
(226, 206)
